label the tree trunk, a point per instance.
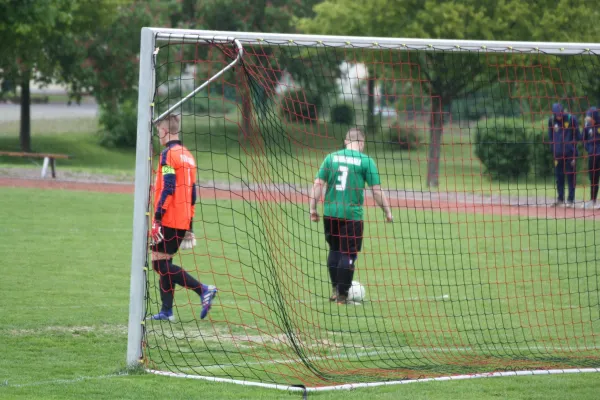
(436, 127)
(25, 129)
(371, 106)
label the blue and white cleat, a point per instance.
(207, 298)
(164, 316)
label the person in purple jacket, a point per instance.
(591, 137)
(563, 133)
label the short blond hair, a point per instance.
(355, 135)
(171, 122)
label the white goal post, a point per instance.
(152, 38)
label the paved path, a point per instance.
(12, 112)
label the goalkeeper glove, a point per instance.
(156, 232)
(189, 241)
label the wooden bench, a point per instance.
(49, 159)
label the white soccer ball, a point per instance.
(356, 292)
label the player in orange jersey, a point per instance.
(174, 204)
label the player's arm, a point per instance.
(374, 181)
(315, 194)
(189, 240)
(169, 182)
(193, 202)
(317, 189)
(382, 201)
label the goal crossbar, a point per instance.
(193, 36)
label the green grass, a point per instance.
(86, 154)
(66, 293)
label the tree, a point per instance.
(27, 28)
(38, 44)
(452, 75)
(256, 16)
(106, 62)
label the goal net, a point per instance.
(479, 272)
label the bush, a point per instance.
(298, 105)
(403, 137)
(342, 114)
(542, 161)
(504, 147)
(119, 127)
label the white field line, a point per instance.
(17, 308)
(5, 383)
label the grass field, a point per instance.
(446, 291)
(66, 286)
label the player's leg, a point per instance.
(559, 172)
(591, 203)
(595, 177)
(171, 274)
(207, 293)
(351, 241)
(570, 171)
(332, 236)
(160, 264)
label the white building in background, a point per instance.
(351, 85)
(285, 83)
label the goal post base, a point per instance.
(352, 386)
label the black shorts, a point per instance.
(344, 235)
(172, 239)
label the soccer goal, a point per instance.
(482, 273)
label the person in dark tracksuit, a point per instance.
(563, 133)
(591, 137)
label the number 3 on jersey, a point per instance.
(342, 178)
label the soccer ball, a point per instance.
(356, 292)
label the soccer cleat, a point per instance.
(570, 204)
(589, 204)
(164, 316)
(207, 299)
(344, 301)
(333, 294)
(558, 203)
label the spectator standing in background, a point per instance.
(563, 133)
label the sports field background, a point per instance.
(67, 264)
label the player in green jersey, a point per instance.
(344, 173)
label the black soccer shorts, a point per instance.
(344, 235)
(172, 239)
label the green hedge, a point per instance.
(504, 146)
(342, 114)
(403, 137)
(119, 127)
(511, 148)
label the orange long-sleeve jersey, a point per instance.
(175, 187)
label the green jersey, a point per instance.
(346, 172)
